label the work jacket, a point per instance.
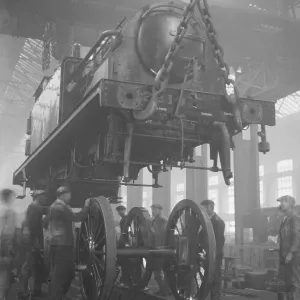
(159, 230)
(122, 223)
(33, 225)
(7, 230)
(61, 219)
(289, 237)
(219, 230)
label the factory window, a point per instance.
(285, 186)
(213, 180)
(229, 231)
(261, 194)
(180, 187)
(214, 196)
(261, 171)
(123, 194)
(197, 151)
(147, 191)
(285, 166)
(230, 200)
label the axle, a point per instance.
(129, 252)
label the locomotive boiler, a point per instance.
(145, 95)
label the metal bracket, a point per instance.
(127, 152)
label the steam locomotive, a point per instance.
(145, 95)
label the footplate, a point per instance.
(194, 105)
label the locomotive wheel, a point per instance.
(137, 235)
(190, 232)
(97, 251)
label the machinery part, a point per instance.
(252, 112)
(190, 232)
(263, 145)
(220, 146)
(224, 152)
(127, 152)
(97, 251)
(137, 235)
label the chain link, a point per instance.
(46, 55)
(233, 98)
(161, 79)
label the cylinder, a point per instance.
(129, 252)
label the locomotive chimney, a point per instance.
(76, 50)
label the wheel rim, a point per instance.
(97, 251)
(190, 281)
(138, 234)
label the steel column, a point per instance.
(162, 195)
(197, 180)
(246, 179)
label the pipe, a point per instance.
(162, 165)
(131, 252)
(224, 151)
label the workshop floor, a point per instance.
(74, 293)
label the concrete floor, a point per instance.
(74, 293)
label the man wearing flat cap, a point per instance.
(61, 218)
(159, 223)
(33, 228)
(219, 230)
(289, 247)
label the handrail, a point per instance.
(77, 73)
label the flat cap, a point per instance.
(120, 207)
(286, 198)
(207, 202)
(37, 193)
(62, 190)
(156, 205)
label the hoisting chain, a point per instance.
(232, 98)
(162, 76)
(46, 55)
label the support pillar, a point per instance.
(197, 180)
(135, 193)
(246, 179)
(162, 195)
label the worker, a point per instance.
(60, 220)
(126, 270)
(33, 231)
(7, 240)
(289, 247)
(121, 209)
(219, 230)
(159, 223)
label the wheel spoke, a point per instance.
(97, 250)
(100, 242)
